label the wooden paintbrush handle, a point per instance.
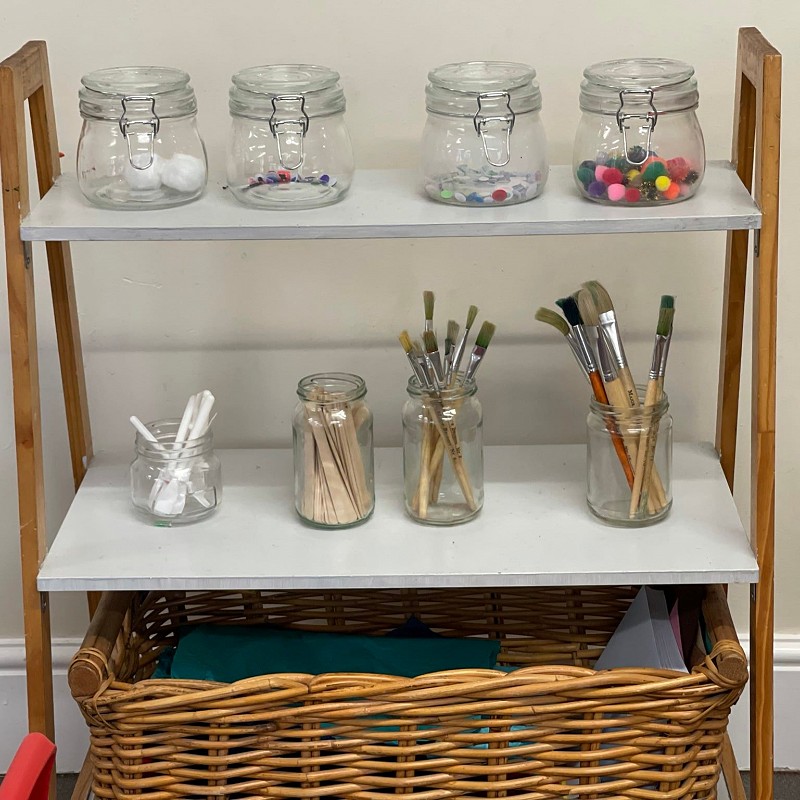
(642, 475)
(619, 445)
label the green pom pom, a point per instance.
(585, 175)
(653, 171)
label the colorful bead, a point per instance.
(459, 197)
(446, 194)
(499, 195)
(632, 195)
(611, 175)
(284, 176)
(663, 183)
(324, 178)
(474, 197)
(596, 189)
(616, 192)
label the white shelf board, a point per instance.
(534, 530)
(389, 204)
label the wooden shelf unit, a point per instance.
(738, 197)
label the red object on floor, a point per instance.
(30, 773)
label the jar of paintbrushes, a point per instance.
(334, 484)
(176, 476)
(443, 422)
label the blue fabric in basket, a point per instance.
(231, 653)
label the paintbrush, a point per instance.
(433, 357)
(416, 367)
(449, 346)
(428, 301)
(558, 322)
(458, 353)
(586, 360)
(654, 394)
(482, 341)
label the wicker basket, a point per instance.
(552, 729)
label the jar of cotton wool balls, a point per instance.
(639, 141)
(140, 146)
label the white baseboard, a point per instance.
(72, 738)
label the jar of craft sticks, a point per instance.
(443, 453)
(484, 142)
(639, 142)
(140, 147)
(289, 144)
(334, 483)
(629, 462)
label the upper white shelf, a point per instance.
(386, 204)
(534, 530)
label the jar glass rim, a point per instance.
(639, 73)
(482, 76)
(460, 390)
(658, 409)
(276, 79)
(165, 430)
(339, 387)
(135, 80)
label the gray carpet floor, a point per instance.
(787, 785)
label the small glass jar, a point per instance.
(175, 484)
(484, 142)
(639, 141)
(334, 474)
(289, 144)
(646, 436)
(443, 454)
(140, 146)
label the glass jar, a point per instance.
(175, 484)
(139, 146)
(289, 144)
(443, 454)
(334, 475)
(484, 142)
(639, 141)
(646, 433)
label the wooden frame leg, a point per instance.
(756, 150)
(17, 82)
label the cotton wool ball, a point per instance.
(144, 179)
(184, 173)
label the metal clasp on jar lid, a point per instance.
(284, 129)
(489, 123)
(133, 127)
(649, 118)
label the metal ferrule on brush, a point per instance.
(418, 370)
(576, 351)
(658, 367)
(607, 368)
(425, 373)
(474, 362)
(587, 354)
(458, 354)
(610, 333)
(435, 362)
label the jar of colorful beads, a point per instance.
(289, 144)
(639, 141)
(484, 142)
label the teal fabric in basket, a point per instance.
(232, 653)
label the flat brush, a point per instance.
(458, 353)
(428, 301)
(449, 346)
(558, 322)
(433, 357)
(570, 308)
(416, 367)
(479, 351)
(653, 395)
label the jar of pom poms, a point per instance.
(289, 143)
(484, 142)
(140, 146)
(639, 142)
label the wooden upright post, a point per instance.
(756, 152)
(25, 76)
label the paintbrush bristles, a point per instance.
(570, 308)
(452, 330)
(665, 315)
(485, 335)
(587, 307)
(550, 317)
(472, 315)
(405, 341)
(429, 340)
(428, 301)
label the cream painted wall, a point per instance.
(248, 319)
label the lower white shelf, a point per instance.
(535, 529)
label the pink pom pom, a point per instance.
(599, 170)
(616, 191)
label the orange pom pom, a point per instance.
(672, 191)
